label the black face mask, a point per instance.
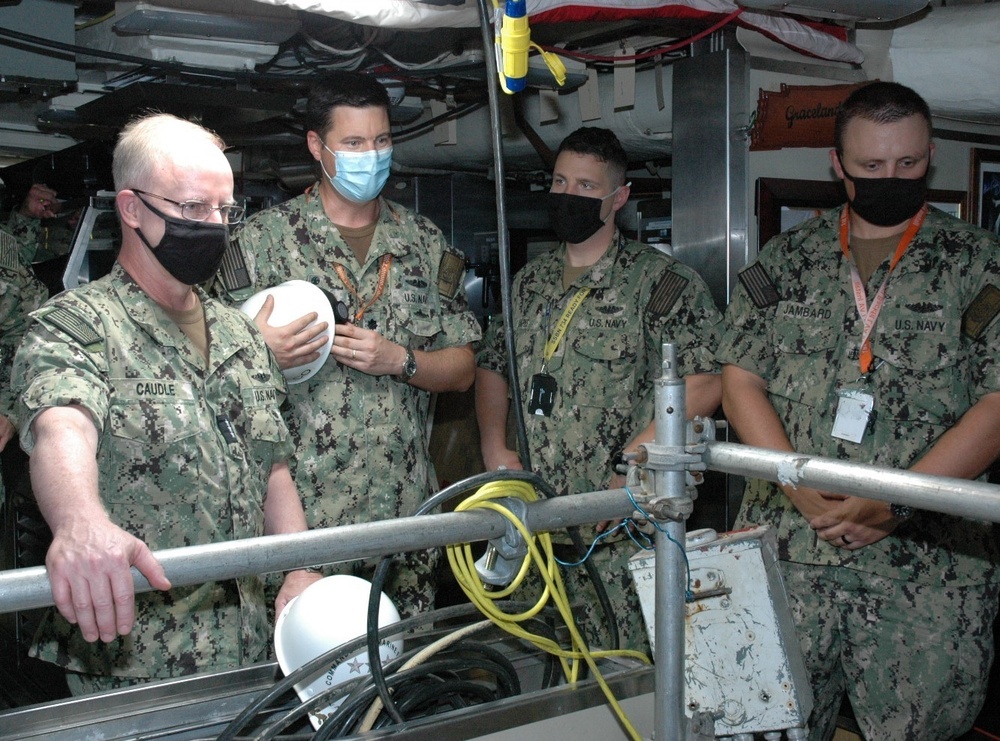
(887, 201)
(575, 219)
(191, 251)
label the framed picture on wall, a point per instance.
(984, 189)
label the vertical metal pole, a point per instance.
(671, 575)
(503, 234)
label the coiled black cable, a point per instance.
(335, 655)
(424, 687)
(271, 719)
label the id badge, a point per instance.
(854, 411)
(543, 394)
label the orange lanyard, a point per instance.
(870, 314)
(385, 262)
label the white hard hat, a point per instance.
(292, 299)
(325, 615)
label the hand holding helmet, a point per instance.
(297, 322)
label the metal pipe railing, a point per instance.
(975, 500)
(25, 589)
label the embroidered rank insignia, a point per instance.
(233, 269)
(8, 252)
(69, 323)
(981, 311)
(666, 293)
(450, 274)
(759, 286)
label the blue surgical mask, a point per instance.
(360, 176)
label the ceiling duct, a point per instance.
(645, 129)
(842, 10)
(46, 19)
(949, 56)
(220, 110)
(247, 22)
(219, 35)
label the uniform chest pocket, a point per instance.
(265, 433)
(923, 379)
(917, 342)
(601, 369)
(265, 425)
(418, 325)
(152, 445)
(805, 363)
(804, 330)
(155, 422)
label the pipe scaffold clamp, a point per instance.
(653, 458)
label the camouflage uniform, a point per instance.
(605, 368)
(361, 440)
(31, 235)
(169, 472)
(20, 294)
(939, 346)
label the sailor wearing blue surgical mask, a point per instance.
(360, 148)
(359, 423)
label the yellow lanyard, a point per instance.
(552, 344)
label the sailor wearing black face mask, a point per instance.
(191, 247)
(590, 320)
(870, 333)
(152, 416)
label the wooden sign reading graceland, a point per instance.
(798, 116)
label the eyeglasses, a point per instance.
(198, 211)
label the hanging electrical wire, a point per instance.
(422, 126)
(647, 54)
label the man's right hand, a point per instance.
(41, 203)
(292, 344)
(89, 567)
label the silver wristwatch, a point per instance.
(409, 368)
(900, 512)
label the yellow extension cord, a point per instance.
(540, 551)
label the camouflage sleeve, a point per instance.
(54, 368)
(491, 353)
(285, 447)
(746, 335)
(680, 310)
(235, 281)
(981, 324)
(28, 232)
(20, 294)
